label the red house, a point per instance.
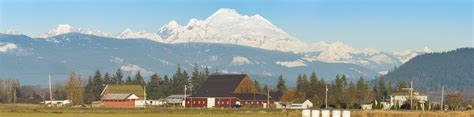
(227, 91)
(123, 96)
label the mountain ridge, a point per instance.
(227, 26)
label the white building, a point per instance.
(403, 96)
(56, 103)
(301, 105)
(175, 99)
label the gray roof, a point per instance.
(116, 96)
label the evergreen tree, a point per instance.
(389, 88)
(265, 89)
(302, 86)
(314, 85)
(338, 89)
(165, 89)
(281, 86)
(97, 86)
(153, 87)
(107, 79)
(349, 95)
(257, 86)
(117, 78)
(88, 97)
(138, 80)
(129, 81)
(299, 84)
(195, 79)
(382, 91)
(362, 91)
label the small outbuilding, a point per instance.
(301, 105)
(123, 96)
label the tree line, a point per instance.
(342, 93)
(157, 86)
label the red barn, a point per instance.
(226, 91)
(123, 96)
(119, 100)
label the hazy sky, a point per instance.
(387, 25)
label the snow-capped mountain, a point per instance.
(85, 53)
(66, 28)
(227, 26)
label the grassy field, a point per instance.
(41, 111)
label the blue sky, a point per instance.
(388, 25)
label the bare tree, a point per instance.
(75, 89)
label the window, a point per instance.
(194, 102)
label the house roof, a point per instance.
(176, 96)
(124, 89)
(116, 96)
(219, 85)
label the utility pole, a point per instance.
(442, 97)
(50, 90)
(184, 98)
(326, 97)
(144, 93)
(14, 97)
(411, 95)
(268, 98)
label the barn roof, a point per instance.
(250, 96)
(219, 86)
(124, 89)
(116, 96)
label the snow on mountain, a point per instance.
(227, 26)
(128, 34)
(406, 55)
(66, 28)
(4, 47)
(427, 50)
(295, 63)
(11, 32)
(230, 27)
(135, 68)
(334, 52)
(239, 60)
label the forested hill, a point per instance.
(453, 69)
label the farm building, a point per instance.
(175, 100)
(403, 96)
(56, 103)
(301, 105)
(123, 96)
(230, 90)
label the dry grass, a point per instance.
(380, 113)
(29, 110)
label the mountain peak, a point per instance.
(427, 50)
(11, 32)
(224, 13)
(63, 28)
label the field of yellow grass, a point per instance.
(381, 113)
(41, 111)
